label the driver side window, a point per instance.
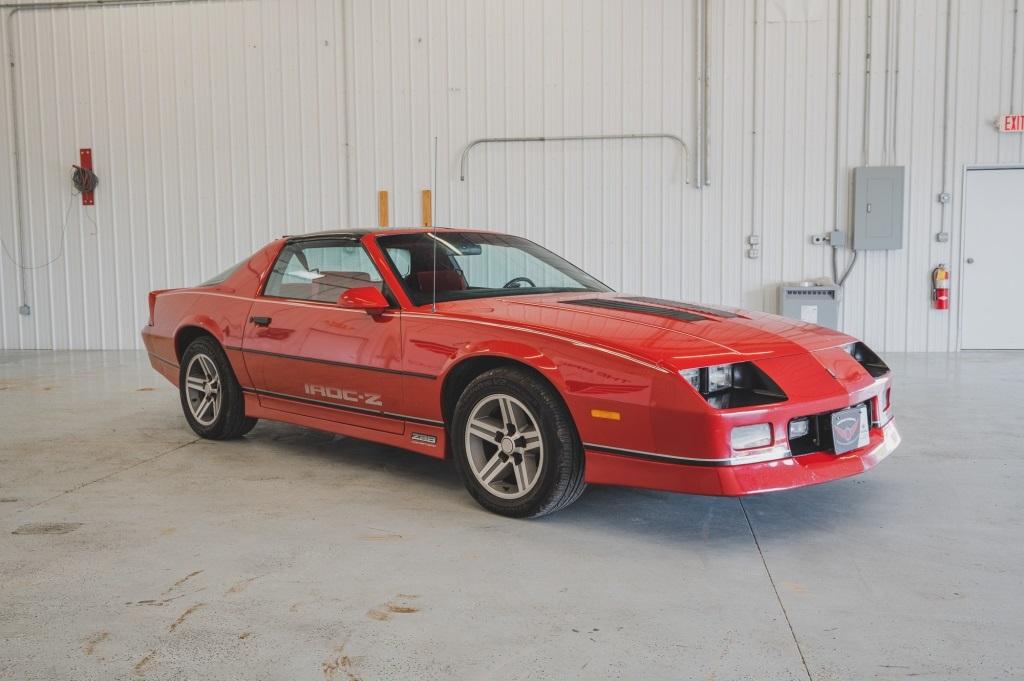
(321, 271)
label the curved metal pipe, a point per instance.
(573, 138)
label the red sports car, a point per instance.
(533, 376)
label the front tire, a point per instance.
(515, 444)
(210, 394)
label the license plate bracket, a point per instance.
(850, 429)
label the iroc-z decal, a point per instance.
(344, 394)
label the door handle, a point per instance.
(970, 261)
(260, 321)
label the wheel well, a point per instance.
(462, 375)
(185, 336)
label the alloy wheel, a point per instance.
(504, 446)
(203, 389)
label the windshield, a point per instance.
(479, 265)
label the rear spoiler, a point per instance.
(152, 302)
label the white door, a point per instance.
(993, 248)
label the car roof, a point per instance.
(359, 232)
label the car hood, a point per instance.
(673, 333)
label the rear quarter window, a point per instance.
(223, 276)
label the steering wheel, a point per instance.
(515, 283)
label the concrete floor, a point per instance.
(128, 549)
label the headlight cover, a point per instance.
(726, 386)
(867, 359)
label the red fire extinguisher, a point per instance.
(940, 287)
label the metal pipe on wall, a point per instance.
(753, 133)
(841, 180)
(945, 198)
(705, 98)
(25, 308)
(1013, 58)
(702, 94)
(698, 65)
(866, 123)
(896, 42)
(574, 138)
(348, 55)
(839, 177)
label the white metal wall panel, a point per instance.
(217, 126)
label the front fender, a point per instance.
(514, 351)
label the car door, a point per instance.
(308, 356)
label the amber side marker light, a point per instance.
(602, 414)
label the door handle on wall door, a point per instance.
(260, 321)
(970, 261)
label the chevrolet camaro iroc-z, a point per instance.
(532, 376)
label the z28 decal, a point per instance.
(369, 399)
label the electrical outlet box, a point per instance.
(837, 238)
(878, 208)
(817, 239)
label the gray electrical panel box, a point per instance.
(817, 304)
(878, 208)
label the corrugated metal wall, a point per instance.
(215, 128)
(219, 125)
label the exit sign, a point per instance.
(1011, 123)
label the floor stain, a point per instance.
(184, 616)
(395, 607)
(181, 581)
(380, 535)
(338, 662)
(168, 531)
(240, 586)
(401, 604)
(93, 641)
(145, 663)
(8, 500)
(159, 603)
(244, 635)
(145, 390)
(47, 528)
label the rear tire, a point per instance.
(210, 394)
(515, 444)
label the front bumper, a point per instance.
(794, 471)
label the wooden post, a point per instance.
(382, 208)
(428, 217)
